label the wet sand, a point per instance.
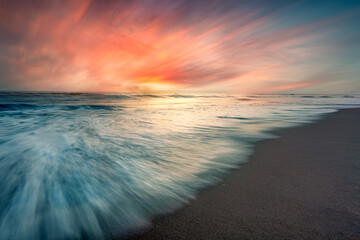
(303, 185)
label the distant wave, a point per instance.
(317, 96)
(9, 107)
(12, 107)
(181, 96)
(147, 96)
(238, 118)
(62, 96)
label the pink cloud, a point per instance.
(76, 47)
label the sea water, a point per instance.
(80, 165)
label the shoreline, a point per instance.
(316, 195)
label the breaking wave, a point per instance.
(96, 166)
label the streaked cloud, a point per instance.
(224, 46)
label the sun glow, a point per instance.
(160, 46)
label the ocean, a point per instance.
(96, 166)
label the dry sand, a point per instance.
(304, 185)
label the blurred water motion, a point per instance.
(95, 166)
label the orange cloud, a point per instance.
(288, 86)
(116, 46)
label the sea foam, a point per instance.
(98, 166)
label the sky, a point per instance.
(225, 46)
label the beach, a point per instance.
(102, 166)
(303, 185)
(164, 119)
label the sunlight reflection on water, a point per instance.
(90, 165)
